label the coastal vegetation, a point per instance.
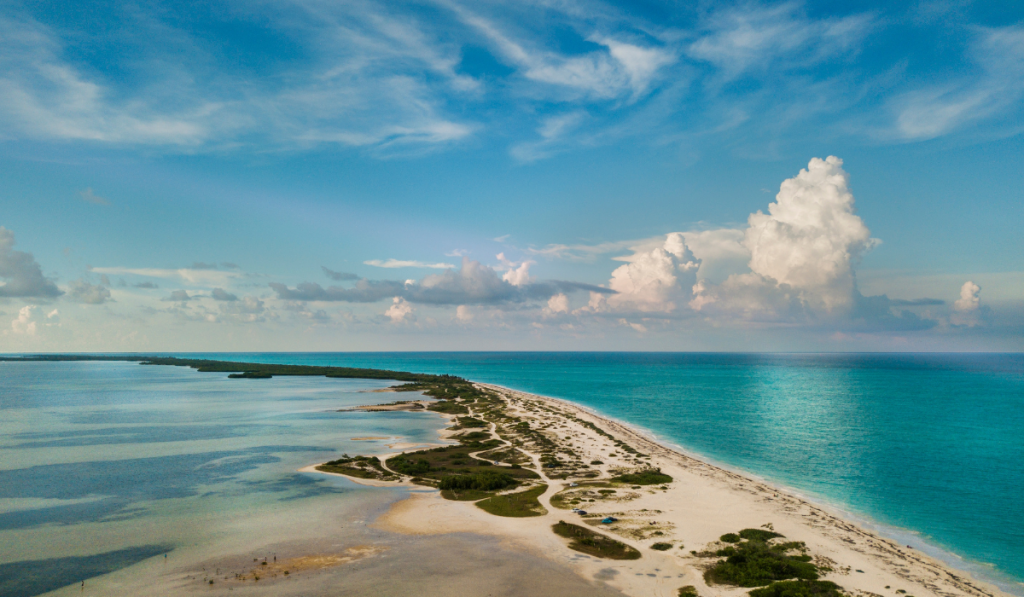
(800, 588)
(363, 467)
(754, 559)
(587, 541)
(645, 477)
(516, 505)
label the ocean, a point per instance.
(926, 448)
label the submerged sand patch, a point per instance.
(271, 569)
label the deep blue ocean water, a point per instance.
(927, 444)
(928, 447)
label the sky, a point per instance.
(313, 175)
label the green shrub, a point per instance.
(651, 476)
(587, 541)
(483, 481)
(754, 563)
(662, 546)
(471, 422)
(730, 538)
(758, 534)
(688, 591)
(516, 505)
(406, 466)
(800, 588)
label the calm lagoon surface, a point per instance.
(107, 464)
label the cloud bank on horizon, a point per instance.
(801, 258)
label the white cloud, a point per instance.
(967, 309)
(518, 275)
(996, 87)
(619, 70)
(811, 237)
(802, 255)
(463, 313)
(655, 280)
(21, 274)
(199, 277)
(558, 303)
(397, 263)
(749, 37)
(970, 297)
(398, 310)
(24, 324)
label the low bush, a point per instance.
(651, 476)
(483, 481)
(800, 588)
(587, 541)
(662, 546)
(755, 563)
(758, 534)
(515, 505)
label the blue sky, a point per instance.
(307, 175)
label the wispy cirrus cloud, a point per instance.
(398, 263)
(994, 89)
(199, 277)
(540, 79)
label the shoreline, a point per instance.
(726, 499)
(975, 570)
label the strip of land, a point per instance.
(591, 493)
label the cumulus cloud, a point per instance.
(219, 294)
(804, 249)
(558, 303)
(810, 238)
(518, 274)
(21, 274)
(970, 297)
(655, 280)
(462, 313)
(338, 276)
(90, 294)
(472, 284)
(398, 310)
(967, 309)
(24, 325)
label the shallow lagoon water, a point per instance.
(103, 465)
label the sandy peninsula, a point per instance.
(674, 526)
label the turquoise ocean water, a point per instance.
(928, 448)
